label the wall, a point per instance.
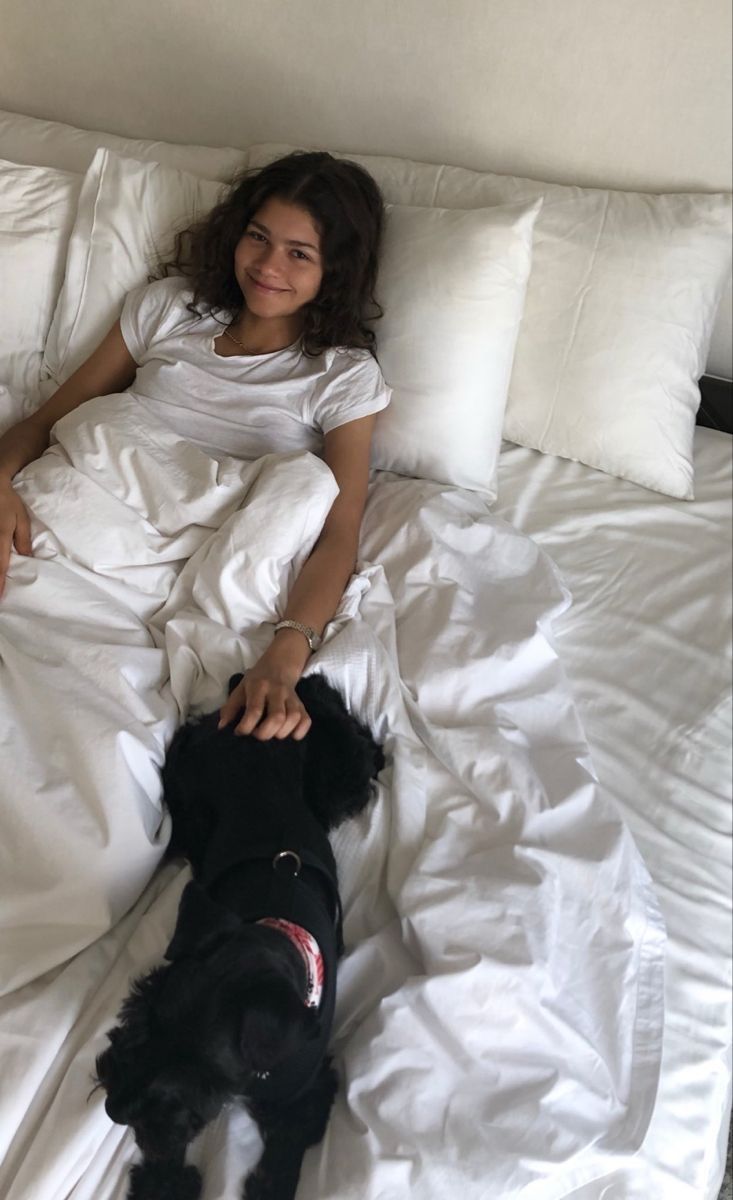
(626, 93)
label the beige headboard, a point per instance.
(621, 93)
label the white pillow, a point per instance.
(52, 144)
(452, 285)
(37, 207)
(618, 316)
(127, 211)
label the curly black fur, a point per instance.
(225, 1020)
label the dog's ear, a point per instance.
(201, 922)
(179, 744)
(124, 1065)
(134, 1016)
(341, 756)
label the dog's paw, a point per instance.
(161, 1181)
(276, 1175)
(260, 1187)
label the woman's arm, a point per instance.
(272, 708)
(110, 368)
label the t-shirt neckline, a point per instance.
(268, 353)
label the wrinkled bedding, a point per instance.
(647, 649)
(500, 1008)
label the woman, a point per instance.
(261, 346)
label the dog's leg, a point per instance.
(287, 1133)
(164, 1181)
(138, 1096)
(341, 757)
(186, 788)
(185, 797)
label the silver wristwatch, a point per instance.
(313, 639)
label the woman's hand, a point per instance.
(267, 694)
(15, 528)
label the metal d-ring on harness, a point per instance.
(285, 854)
(286, 868)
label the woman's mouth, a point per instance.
(262, 287)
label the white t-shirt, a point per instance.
(244, 405)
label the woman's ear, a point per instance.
(201, 922)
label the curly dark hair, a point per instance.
(348, 209)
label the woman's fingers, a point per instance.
(296, 723)
(273, 710)
(6, 542)
(233, 704)
(14, 533)
(23, 531)
(301, 729)
(270, 711)
(255, 704)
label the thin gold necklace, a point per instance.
(228, 333)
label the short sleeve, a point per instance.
(146, 311)
(353, 387)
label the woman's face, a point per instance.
(277, 261)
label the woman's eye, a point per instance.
(300, 254)
(253, 233)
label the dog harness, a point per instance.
(272, 865)
(310, 952)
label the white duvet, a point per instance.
(500, 1007)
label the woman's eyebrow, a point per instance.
(264, 229)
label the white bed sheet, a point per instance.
(647, 647)
(646, 573)
(499, 1025)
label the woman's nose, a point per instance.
(268, 258)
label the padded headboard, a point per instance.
(614, 93)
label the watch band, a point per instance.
(313, 639)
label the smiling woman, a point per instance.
(258, 344)
(321, 215)
(278, 269)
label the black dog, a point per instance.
(244, 1010)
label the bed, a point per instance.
(535, 1001)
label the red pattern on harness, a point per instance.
(310, 952)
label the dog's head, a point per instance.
(199, 1032)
